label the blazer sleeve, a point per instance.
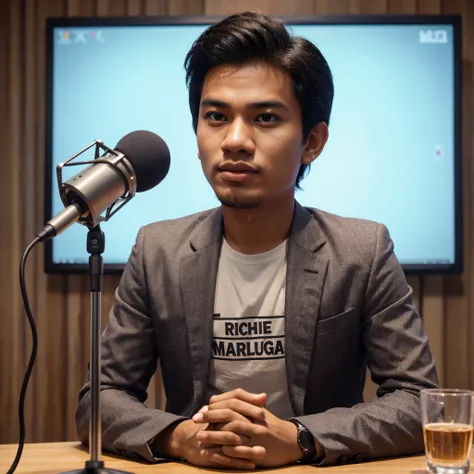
(399, 359)
(129, 359)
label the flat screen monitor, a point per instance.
(393, 154)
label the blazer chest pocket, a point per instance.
(336, 321)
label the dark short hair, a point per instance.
(250, 37)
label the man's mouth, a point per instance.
(237, 168)
(237, 172)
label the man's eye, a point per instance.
(266, 118)
(215, 116)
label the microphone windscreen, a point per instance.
(149, 156)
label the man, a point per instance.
(263, 314)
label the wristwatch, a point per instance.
(305, 442)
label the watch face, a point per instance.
(307, 441)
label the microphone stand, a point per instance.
(95, 246)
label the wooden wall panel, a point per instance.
(331, 7)
(48, 391)
(430, 7)
(111, 7)
(12, 361)
(5, 305)
(402, 7)
(79, 8)
(468, 127)
(459, 290)
(61, 304)
(368, 7)
(275, 7)
(135, 8)
(28, 179)
(186, 7)
(155, 7)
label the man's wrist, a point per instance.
(295, 451)
(168, 442)
(309, 448)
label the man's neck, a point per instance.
(257, 230)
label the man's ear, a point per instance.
(315, 143)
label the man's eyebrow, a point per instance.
(264, 104)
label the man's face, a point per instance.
(249, 135)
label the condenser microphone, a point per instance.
(139, 162)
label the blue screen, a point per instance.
(389, 158)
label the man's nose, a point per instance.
(238, 138)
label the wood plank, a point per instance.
(135, 8)
(274, 7)
(13, 352)
(403, 7)
(77, 336)
(26, 163)
(459, 296)
(111, 7)
(331, 7)
(456, 334)
(368, 7)
(48, 395)
(468, 171)
(5, 304)
(78, 8)
(156, 7)
(186, 7)
(15, 324)
(453, 6)
(429, 7)
(434, 321)
(45, 458)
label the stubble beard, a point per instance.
(234, 201)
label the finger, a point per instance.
(258, 399)
(246, 452)
(221, 438)
(223, 426)
(219, 426)
(239, 406)
(215, 455)
(247, 429)
(224, 415)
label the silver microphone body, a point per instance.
(139, 162)
(99, 186)
(90, 192)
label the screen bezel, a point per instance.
(452, 20)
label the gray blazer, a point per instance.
(348, 307)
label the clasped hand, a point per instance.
(236, 431)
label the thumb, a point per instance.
(259, 399)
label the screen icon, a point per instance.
(439, 152)
(68, 37)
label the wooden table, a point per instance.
(49, 458)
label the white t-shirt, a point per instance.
(248, 347)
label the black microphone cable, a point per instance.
(34, 349)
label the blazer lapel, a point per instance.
(198, 273)
(306, 271)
